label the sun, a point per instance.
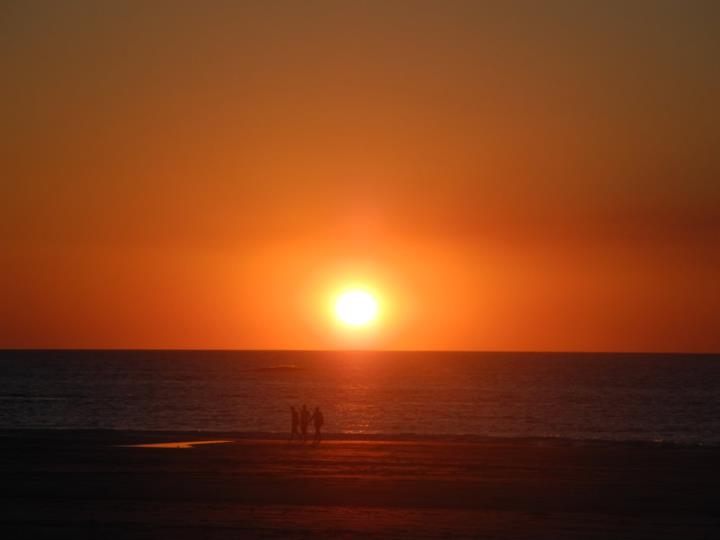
(356, 307)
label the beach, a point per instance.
(97, 484)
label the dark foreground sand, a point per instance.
(79, 485)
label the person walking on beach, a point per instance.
(304, 422)
(294, 424)
(318, 420)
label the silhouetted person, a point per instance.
(304, 422)
(294, 424)
(318, 420)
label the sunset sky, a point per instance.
(502, 175)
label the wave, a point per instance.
(390, 438)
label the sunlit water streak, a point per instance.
(651, 397)
(182, 445)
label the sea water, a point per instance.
(673, 398)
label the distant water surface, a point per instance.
(622, 397)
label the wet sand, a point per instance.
(86, 485)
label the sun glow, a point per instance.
(356, 307)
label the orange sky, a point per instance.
(510, 175)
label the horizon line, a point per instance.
(302, 350)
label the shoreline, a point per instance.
(138, 435)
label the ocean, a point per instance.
(673, 398)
